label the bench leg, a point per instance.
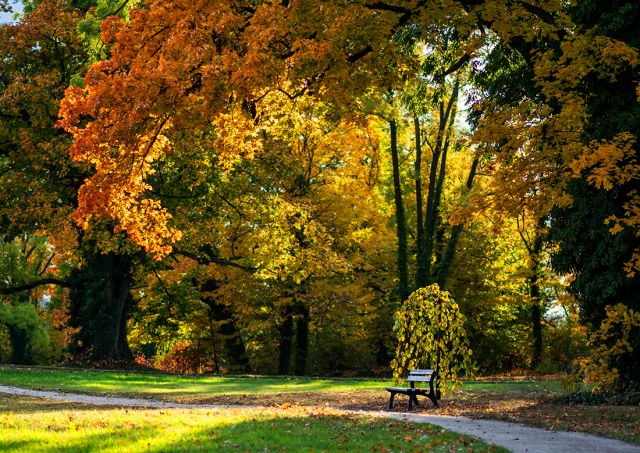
(393, 394)
(433, 399)
(412, 398)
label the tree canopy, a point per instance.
(226, 177)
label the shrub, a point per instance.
(562, 345)
(187, 358)
(590, 398)
(29, 338)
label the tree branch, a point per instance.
(537, 11)
(205, 260)
(28, 286)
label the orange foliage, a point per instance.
(214, 64)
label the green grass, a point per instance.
(159, 385)
(164, 384)
(39, 425)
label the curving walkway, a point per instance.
(517, 438)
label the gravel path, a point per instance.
(517, 438)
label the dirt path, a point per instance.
(515, 437)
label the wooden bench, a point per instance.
(412, 392)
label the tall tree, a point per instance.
(401, 222)
(41, 55)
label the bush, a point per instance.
(590, 398)
(29, 338)
(187, 358)
(338, 352)
(562, 345)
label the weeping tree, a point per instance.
(430, 332)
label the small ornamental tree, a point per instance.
(430, 331)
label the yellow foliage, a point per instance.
(430, 332)
(609, 342)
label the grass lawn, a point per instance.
(530, 402)
(172, 387)
(167, 385)
(40, 425)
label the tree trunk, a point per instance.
(401, 224)
(214, 343)
(534, 291)
(452, 243)
(434, 195)
(536, 321)
(120, 333)
(418, 172)
(100, 306)
(234, 348)
(302, 341)
(286, 333)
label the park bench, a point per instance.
(420, 376)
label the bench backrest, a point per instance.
(420, 375)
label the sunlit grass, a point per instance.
(38, 425)
(193, 388)
(164, 384)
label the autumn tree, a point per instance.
(425, 247)
(214, 68)
(262, 240)
(430, 331)
(42, 55)
(597, 233)
(189, 61)
(558, 155)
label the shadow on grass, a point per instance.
(24, 404)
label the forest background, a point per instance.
(257, 187)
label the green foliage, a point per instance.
(5, 344)
(430, 330)
(563, 343)
(500, 335)
(98, 11)
(588, 249)
(23, 260)
(29, 338)
(335, 349)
